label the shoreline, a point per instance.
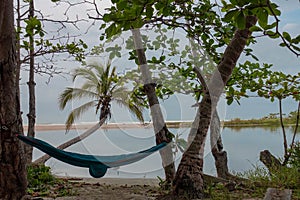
(130, 125)
(122, 125)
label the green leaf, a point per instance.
(260, 93)
(102, 26)
(272, 34)
(287, 36)
(229, 101)
(295, 47)
(262, 16)
(229, 15)
(106, 18)
(274, 10)
(240, 20)
(270, 26)
(112, 30)
(282, 44)
(121, 5)
(227, 7)
(149, 12)
(231, 91)
(255, 29)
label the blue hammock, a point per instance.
(97, 165)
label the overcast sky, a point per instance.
(266, 50)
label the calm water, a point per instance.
(242, 145)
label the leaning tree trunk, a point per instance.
(105, 110)
(31, 89)
(189, 177)
(12, 163)
(220, 156)
(162, 133)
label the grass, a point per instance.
(42, 183)
(259, 180)
(265, 121)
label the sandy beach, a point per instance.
(105, 189)
(52, 127)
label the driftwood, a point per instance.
(270, 161)
(277, 194)
(273, 165)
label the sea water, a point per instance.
(242, 145)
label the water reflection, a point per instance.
(271, 129)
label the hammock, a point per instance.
(97, 165)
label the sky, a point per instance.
(178, 107)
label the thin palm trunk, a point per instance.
(31, 88)
(292, 145)
(79, 138)
(162, 133)
(189, 177)
(285, 145)
(12, 164)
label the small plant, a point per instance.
(164, 185)
(179, 144)
(42, 183)
(294, 160)
(39, 179)
(283, 178)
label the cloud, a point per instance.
(292, 28)
(287, 5)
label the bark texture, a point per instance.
(162, 133)
(189, 177)
(12, 163)
(219, 154)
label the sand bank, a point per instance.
(50, 127)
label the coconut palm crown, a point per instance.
(101, 86)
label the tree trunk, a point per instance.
(189, 177)
(285, 145)
(12, 163)
(162, 133)
(31, 88)
(77, 139)
(220, 156)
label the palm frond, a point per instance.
(99, 69)
(86, 73)
(133, 108)
(120, 92)
(70, 94)
(111, 77)
(77, 112)
(91, 87)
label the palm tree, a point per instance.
(101, 87)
